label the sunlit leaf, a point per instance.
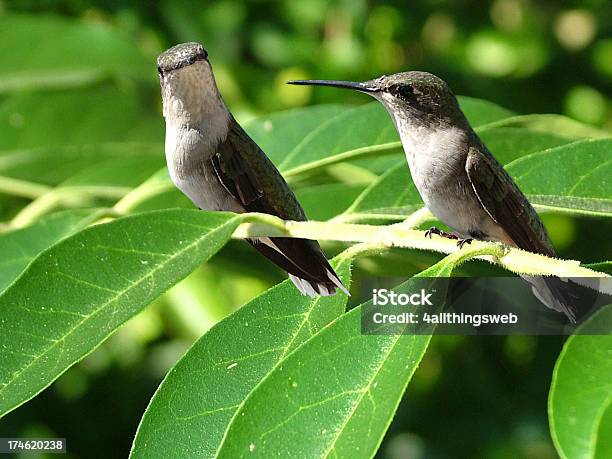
(392, 197)
(551, 123)
(21, 246)
(279, 133)
(510, 143)
(81, 290)
(201, 395)
(572, 178)
(334, 396)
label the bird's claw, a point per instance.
(439, 232)
(462, 242)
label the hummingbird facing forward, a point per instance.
(213, 161)
(459, 180)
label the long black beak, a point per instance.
(363, 87)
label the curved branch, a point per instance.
(400, 235)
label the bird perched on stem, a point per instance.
(458, 178)
(213, 161)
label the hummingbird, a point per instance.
(214, 162)
(458, 178)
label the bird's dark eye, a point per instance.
(159, 70)
(405, 92)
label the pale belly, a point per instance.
(206, 192)
(188, 158)
(437, 165)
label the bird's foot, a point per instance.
(439, 232)
(462, 242)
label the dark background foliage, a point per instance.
(472, 396)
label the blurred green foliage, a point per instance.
(472, 397)
(531, 57)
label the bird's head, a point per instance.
(420, 96)
(187, 82)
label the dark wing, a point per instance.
(510, 209)
(235, 175)
(251, 178)
(505, 203)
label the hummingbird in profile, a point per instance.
(458, 178)
(214, 162)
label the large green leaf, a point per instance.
(279, 133)
(480, 112)
(580, 400)
(322, 202)
(551, 123)
(356, 132)
(334, 396)
(78, 292)
(572, 178)
(42, 52)
(201, 395)
(263, 383)
(85, 116)
(510, 143)
(392, 197)
(21, 246)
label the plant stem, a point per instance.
(513, 259)
(22, 188)
(357, 153)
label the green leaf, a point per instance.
(355, 133)
(323, 202)
(21, 246)
(604, 435)
(580, 399)
(550, 123)
(572, 178)
(480, 112)
(42, 52)
(603, 266)
(279, 133)
(199, 398)
(334, 396)
(392, 197)
(74, 295)
(86, 116)
(510, 143)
